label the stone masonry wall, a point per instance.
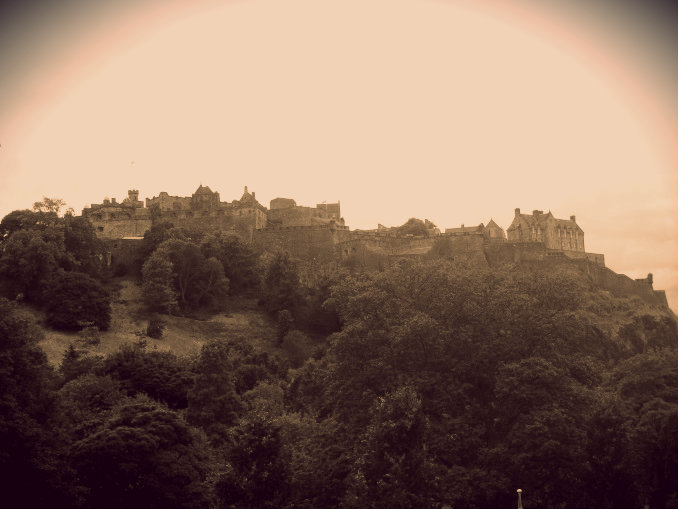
(119, 228)
(308, 243)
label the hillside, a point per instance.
(182, 336)
(423, 383)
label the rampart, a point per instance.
(312, 243)
(621, 285)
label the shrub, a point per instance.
(155, 328)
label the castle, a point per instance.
(318, 235)
(204, 210)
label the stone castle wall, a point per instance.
(622, 285)
(119, 228)
(305, 242)
(124, 252)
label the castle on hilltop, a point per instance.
(319, 234)
(204, 210)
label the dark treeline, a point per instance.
(426, 384)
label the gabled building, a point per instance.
(560, 234)
(491, 231)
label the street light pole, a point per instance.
(520, 500)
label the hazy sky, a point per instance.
(454, 111)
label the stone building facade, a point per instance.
(284, 212)
(203, 210)
(492, 231)
(560, 234)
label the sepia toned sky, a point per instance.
(457, 111)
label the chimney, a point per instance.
(462, 225)
(254, 195)
(537, 212)
(113, 201)
(517, 212)
(572, 218)
(245, 188)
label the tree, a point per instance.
(74, 299)
(49, 205)
(20, 220)
(158, 285)
(81, 242)
(84, 404)
(238, 259)
(153, 237)
(280, 287)
(645, 386)
(196, 280)
(213, 403)
(161, 375)
(258, 476)
(29, 464)
(27, 262)
(391, 469)
(142, 456)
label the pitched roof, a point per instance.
(493, 224)
(203, 190)
(466, 229)
(540, 219)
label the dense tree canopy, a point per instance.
(195, 280)
(74, 300)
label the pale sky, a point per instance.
(455, 111)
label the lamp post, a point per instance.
(520, 500)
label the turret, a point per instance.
(517, 212)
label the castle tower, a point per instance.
(133, 195)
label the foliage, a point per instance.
(23, 220)
(155, 328)
(158, 233)
(441, 386)
(49, 205)
(161, 375)
(158, 283)
(285, 323)
(213, 403)
(81, 242)
(28, 463)
(37, 244)
(142, 456)
(280, 288)
(27, 262)
(74, 364)
(238, 259)
(196, 280)
(73, 299)
(297, 347)
(414, 226)
(84, 404)
(258, 476)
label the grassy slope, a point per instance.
(183, 336)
